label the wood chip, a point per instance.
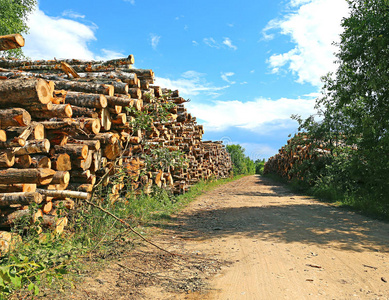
(314, 266)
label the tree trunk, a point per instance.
(74, 150)
(38, 176)
(31, 90)
(7, 199)
(33, 146)
(56, 111)
(64, 194)
(85, 87)
(122, 101)
(86, 100)
(84, 112)
(18, 188)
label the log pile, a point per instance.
(66, 125)
(295, 159)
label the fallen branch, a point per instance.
(129, 227)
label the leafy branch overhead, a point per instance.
(13, 19)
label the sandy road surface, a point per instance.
(270, 244)
(285, 246)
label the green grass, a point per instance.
(363, 204)
(44, 262)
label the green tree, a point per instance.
(242, 164)
(354, 107)
(13, 19)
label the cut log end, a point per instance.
(43, 90)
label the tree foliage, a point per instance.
(13, 19)
(243, 164)
(354, 106)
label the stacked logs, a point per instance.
(67, 125)
(295, 159)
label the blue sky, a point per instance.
(246, 66)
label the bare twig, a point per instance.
(130, 227)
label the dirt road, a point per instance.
(272, 244)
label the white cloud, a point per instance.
(72, 14)
(228, 43)
(258, 151)
(195, 43)
(51, 37)
(225, 76)
(131, 1)
(109, 54)
(190, 84)
(154, 40)
(252, 115)
(313, 26)
(211, 43)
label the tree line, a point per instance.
(352, 120)
(242, 164)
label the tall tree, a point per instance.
(355, 102)
(13, 19)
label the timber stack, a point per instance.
(68, 125)
(294, 160)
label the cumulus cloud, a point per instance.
(190, 83)
(154, 40)
(313, 25)
(228, 43)
(57, 37)
(225, 76)
(253, 115)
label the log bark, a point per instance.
(18, 188)
(86, 100)
(38, 176)
(31, 90)
(56, 111)
(85, 87)
(13, 142)
(34, 131)
(14, 117)
(11, 41)
(33, 146)
(122, 101)
(69, 70)
(7, 199)
(84, 112)
(81, 187)
(92, 144)
(23, 161)
(74, 150)
(65, 194)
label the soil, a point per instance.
(253, 239)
